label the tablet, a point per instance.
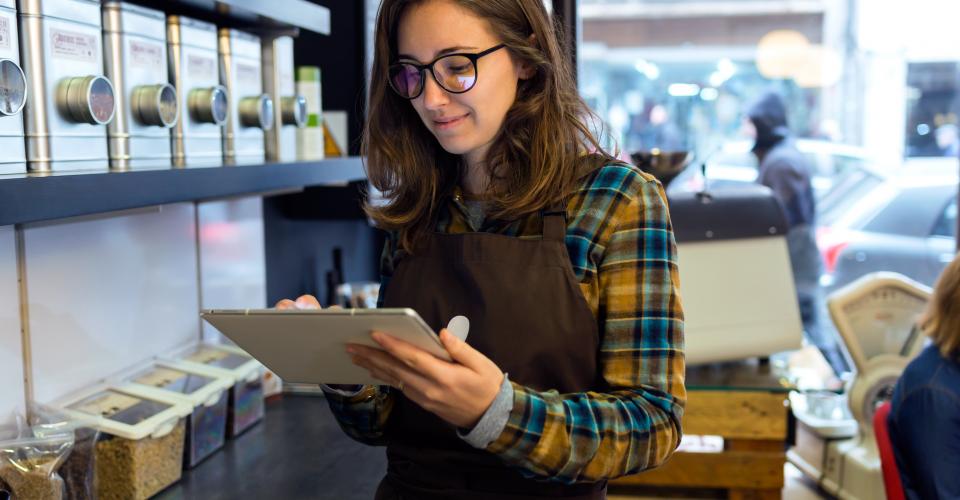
(308, 345)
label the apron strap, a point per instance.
(555, 223)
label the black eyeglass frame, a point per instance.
(421, 69)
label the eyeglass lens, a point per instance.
(454, 73)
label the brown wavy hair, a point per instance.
(941, 321)
(535, 158)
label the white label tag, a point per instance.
(248, 73)
(201, 67)
(286, 80)
(4, 32)
(73, 45)
(145, 55)
(161, 377)
(207, 356)
(108, 405)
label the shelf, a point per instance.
(256, 15)
(31, 198)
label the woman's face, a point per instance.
(466, 123)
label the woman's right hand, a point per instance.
(311, 302)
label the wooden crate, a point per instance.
(753, 425)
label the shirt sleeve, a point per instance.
(634, 424)
(494, 420)
(363, 415)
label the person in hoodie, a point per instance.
(784, 169)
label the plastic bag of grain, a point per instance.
(78, 469)
(29, 459)
(140, 449)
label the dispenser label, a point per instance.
(145, 54)
(107, 404)
(161, 377)
(72, 45)
(201, 67)
(248, 74)
(5, 33)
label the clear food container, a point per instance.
(246, 395)
(140, 449)
(207, 394)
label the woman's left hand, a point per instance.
(458, 392)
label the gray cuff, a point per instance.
(494, 420)
(346, 394)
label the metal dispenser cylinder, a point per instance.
(256, 112)
(60, 41)
(251, 110)
(278, 81)
(87, 99)
(204, 103)
(155, 105)
(135, 43)
(293, 111)
(13, 93)
(209, 105)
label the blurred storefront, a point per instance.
(678, 74)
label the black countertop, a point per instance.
(297, 452)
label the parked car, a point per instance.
(906, 224)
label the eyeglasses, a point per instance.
(455, 73)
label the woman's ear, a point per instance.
(527, 70)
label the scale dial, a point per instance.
(876, 315)
(874, 386)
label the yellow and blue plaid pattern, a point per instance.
(623, 253)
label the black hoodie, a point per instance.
(782, 167)
(769, 116)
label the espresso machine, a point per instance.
(745, 307)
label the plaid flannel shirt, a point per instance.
(622, 250)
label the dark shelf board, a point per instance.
(255, 15)
(32, 198)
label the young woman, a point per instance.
(924, 419)
(502, 206)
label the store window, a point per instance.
(933, 105)
(871, 97)
(871, 93)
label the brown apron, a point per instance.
(528, 315)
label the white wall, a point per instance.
(11, 354)
(108, 292)
(233, 272)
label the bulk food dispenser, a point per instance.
(71, 101)
(204, 106)
(13, 93)
(135, 43)
(291, 110)
(251, 110)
